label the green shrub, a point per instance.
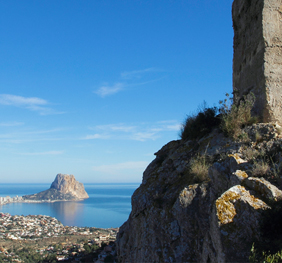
(198, 125)
(235, 117)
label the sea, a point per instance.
(108, 205)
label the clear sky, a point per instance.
(94, 88)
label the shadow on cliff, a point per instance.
(271, 229)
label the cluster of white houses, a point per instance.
(8, 199)
(40, 226)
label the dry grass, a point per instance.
(199, 168)
(235, 117)
(250, 153)
(261, 169)
(258, 137)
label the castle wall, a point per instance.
(257, 60)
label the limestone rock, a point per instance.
(67, 184)
(238, 215)
(264, 189)
(176, 218)
(64, 188)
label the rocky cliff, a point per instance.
(178, 216)
(64, 187)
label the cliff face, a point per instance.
(64, 188)
(177, 218)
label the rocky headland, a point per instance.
(64, 188)
(179, 216)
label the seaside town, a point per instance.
(19, 199)
(41, 238)
(8, 199)
(49, 240)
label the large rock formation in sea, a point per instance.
(64, 187)
(179, 217)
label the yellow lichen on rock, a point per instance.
(241, 174)
(237, 158)
(227, 204)
(225, 207)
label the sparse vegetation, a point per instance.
(235, 116)
(231, 119)
(258, 137)
(250, 153)
(199, 168)
(265, 257)
(276, 168)
(261, 169)
(243, 137)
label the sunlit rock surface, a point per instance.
(64, 187)
(177, 218)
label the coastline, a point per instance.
(111, 201)
(19, 199)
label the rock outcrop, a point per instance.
(64, 188)
(68, 185)
(176, 217)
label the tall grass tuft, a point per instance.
(199, 168)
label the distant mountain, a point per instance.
(64, 188)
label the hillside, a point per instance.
(50, 194)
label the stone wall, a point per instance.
(258, 56)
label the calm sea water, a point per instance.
(109, 205)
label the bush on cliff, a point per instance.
(231, 119)
(235, 116)
(198, 125)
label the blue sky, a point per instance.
(95, 88)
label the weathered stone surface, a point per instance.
(68, 185)
(238, 214)
(264, 189)
(263, 131)
(257, 55)
(174, 219)
(169, 231)
(227, 173)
